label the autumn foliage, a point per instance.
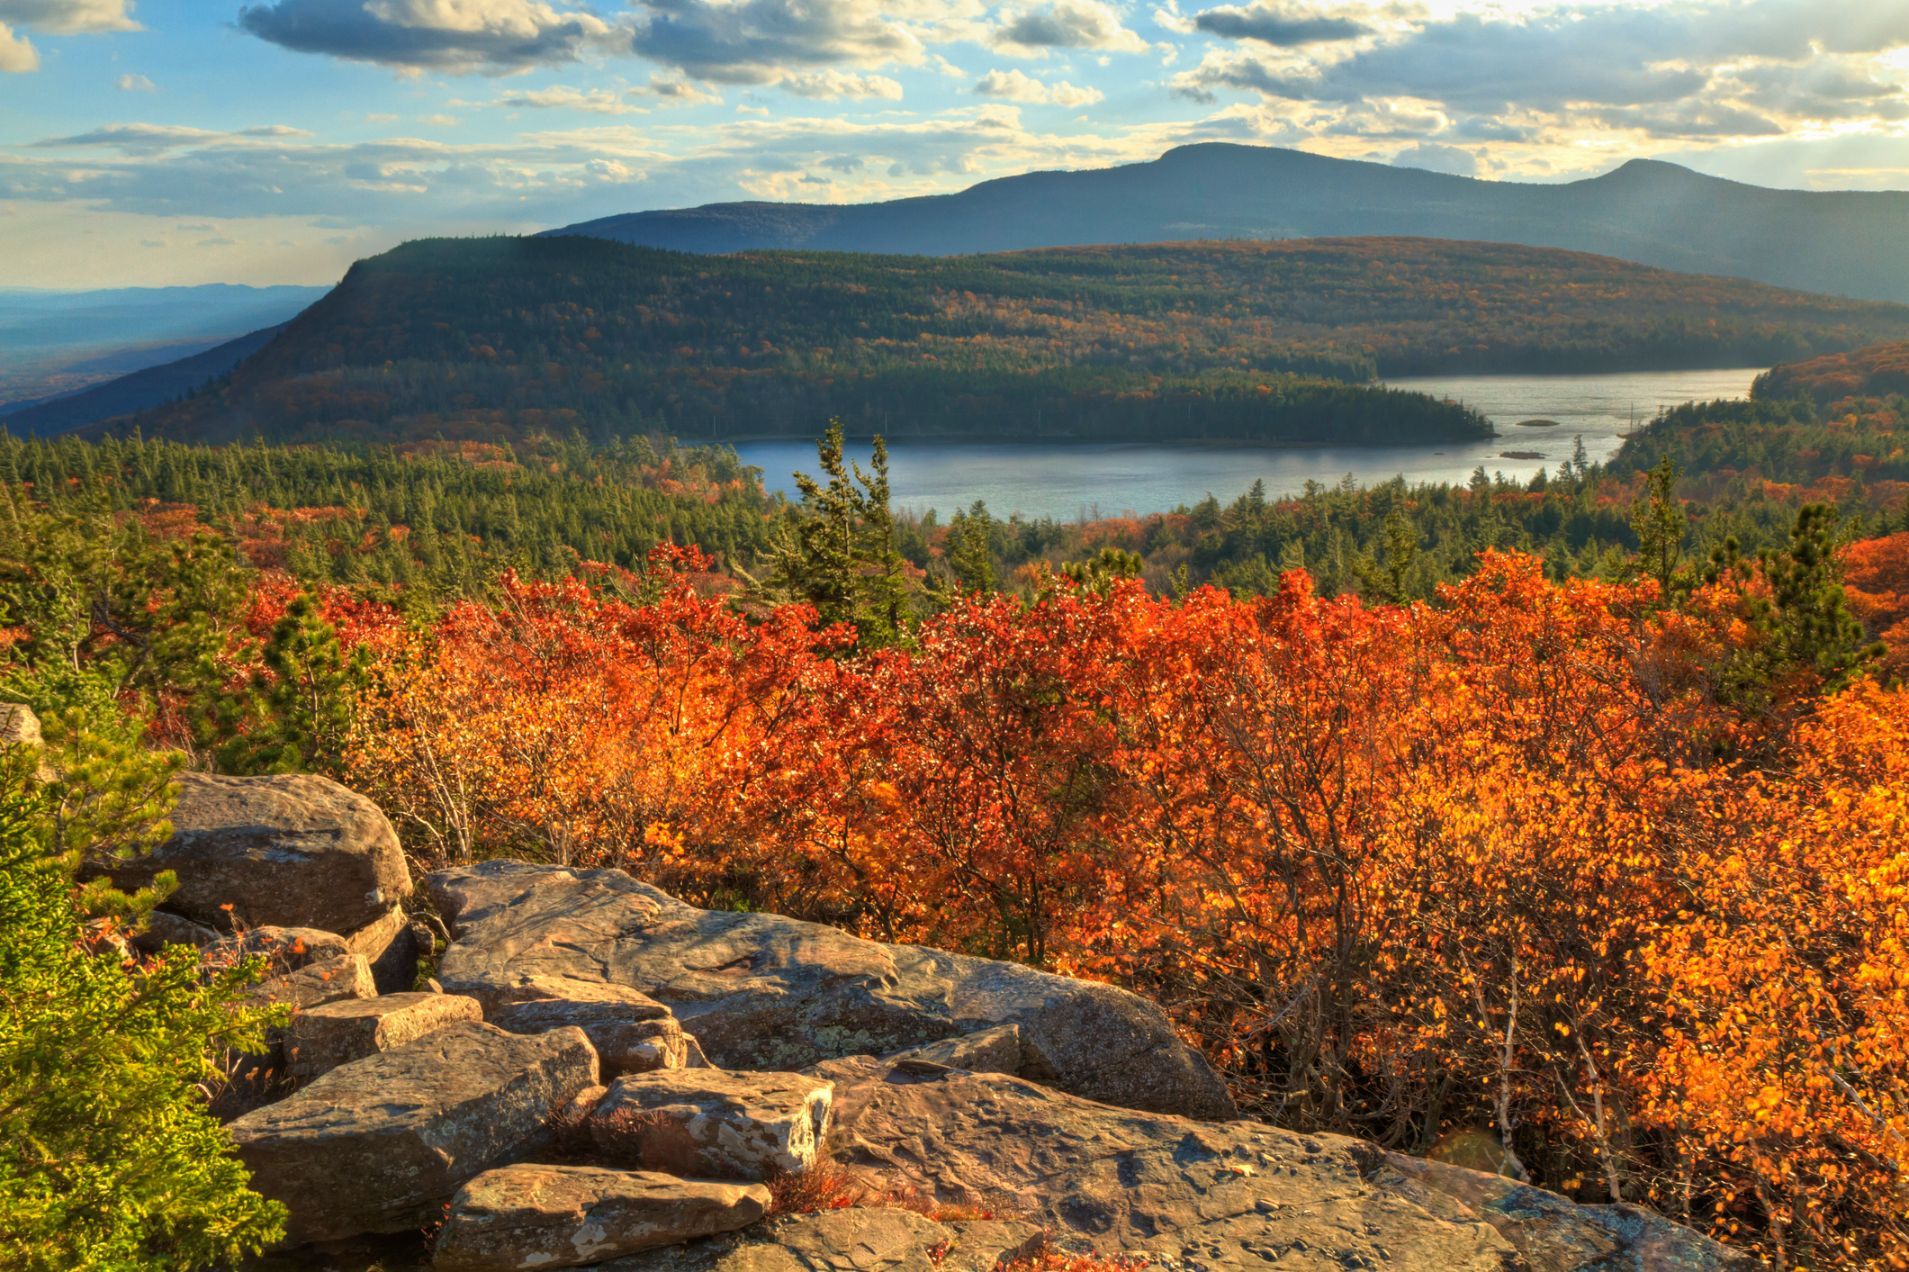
(1519, 859)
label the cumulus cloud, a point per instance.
(136, 84)
(1277, 25)
(70, 17)
(1744, 70)
(762, 41)
(16, 53)
(832, 85)
(1018, 86)
(1066, 24)
(496, 36)
(54, 17)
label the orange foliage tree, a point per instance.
(1507, 860)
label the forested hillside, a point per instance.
(1875, 371)
(499, 338)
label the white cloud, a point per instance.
(1018, 86)
(831, 85)
(597, 101)
(676, 91)
(16, 53)
(136, 84)
(54, 17)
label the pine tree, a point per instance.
(1660, 523)
(836, 549)
(296, 717)
(970, 549)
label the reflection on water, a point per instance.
(1075, 480)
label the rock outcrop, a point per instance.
(292, 851)
(377, 1145)
(969, 1110)
(760, 991)
(523, 1218)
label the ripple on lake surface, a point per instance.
(1079, 479)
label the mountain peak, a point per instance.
(1646, 210)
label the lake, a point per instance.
(1072, 481)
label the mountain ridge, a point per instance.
(1648, 211)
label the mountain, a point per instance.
(1843, 243)
(150, 387)
(497, 338)
(54, 342)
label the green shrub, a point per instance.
(108, 1156)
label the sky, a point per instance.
(151, 142)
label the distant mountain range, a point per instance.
(59, 342)
(1845, 243)
(148, 387)
(499, 338)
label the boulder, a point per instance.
(1204, 1195)
(536, 1217)
(290, 850)
(19, 726)
(761, 991)
(335, 1033)
(711, 1123)
(314, 984)
(632, 1032)
(380, 1144)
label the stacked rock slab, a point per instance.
(761, 991)
(704, 1122)
(336, 1033)
(632, 1032)
(379, 1144)
(532, 1216)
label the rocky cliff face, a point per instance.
(603, 1076)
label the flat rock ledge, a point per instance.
(760, 991)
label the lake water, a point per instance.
(1070, 481)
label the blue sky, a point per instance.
(177, 141)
